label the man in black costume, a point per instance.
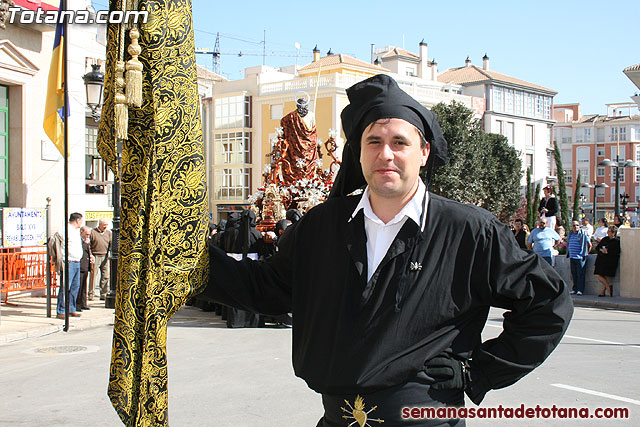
(391, 288)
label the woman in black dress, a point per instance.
(607, 260)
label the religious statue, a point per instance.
(300, 150)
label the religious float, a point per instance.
(295, 178)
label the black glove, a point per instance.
(449, 373)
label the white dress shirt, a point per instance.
(75, 244)
(381, 235)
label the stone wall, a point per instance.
(592, 286)
(630, 262)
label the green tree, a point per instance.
(576, 198)
(535, 197)
(502, 174)
(483, 169)
(562, 186)
(461, 179)
(529, 219)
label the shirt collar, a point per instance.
(412, 210)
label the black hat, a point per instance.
(377, 98)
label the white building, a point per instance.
(31, 168)
(519, 110)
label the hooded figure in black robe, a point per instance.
(242, 239)
(411, 334)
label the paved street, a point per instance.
(243, 377)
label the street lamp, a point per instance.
(94, 83)
(618, 164)
(624, 199)
(595, 187)
(583, 199)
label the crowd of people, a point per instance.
(239, 238)
(549, 239)
(88, 250)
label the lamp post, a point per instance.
(618, 164)
(583, 199)
(94, 83)
(624, 199)
(595, 187)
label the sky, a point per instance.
(577, 48)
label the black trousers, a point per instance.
(81, 301)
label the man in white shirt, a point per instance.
(75, 255)
(587, 227)
(390, 289)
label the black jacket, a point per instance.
(552, 206)
(430, 294)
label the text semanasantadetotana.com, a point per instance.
(521, 412)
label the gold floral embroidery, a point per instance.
(163, 259)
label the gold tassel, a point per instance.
(134, 71)
(121, 109)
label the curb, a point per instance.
(31, 333)
(607, 304)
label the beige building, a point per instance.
(245, 113)
(519, 110)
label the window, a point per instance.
(615, 131)
(277, 111)
(539, 106)
(509, 132)
(97, 173)
(232, 183)
(4, 146)
(584, 175)
(529, 162)
(528, 104)
(587, 135)
(637, 193)
(517, 102)
(614, 152)
(499, 127)
(579, 135)
(529, 135)
(547, 108)
(497, 99)
(600, 192)
(232, 148)
(600, 172)
(600, 134)
(508, 101)
(600, 151)
(568, 176)
(232, 112)
(582, 159)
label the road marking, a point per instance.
(597, 393)
(586, 339)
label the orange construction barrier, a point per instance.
(24, 268)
